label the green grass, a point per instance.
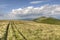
(47, 20)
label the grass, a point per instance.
(29, 30)
(47, 20)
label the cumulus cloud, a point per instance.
(33, 12)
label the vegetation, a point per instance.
(28, 30)
(48, 20)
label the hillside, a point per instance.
(48, 20)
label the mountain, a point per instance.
(48, 20)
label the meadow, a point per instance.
(28, 30)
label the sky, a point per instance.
(29, 9)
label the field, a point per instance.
(28, 30)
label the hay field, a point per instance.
(28, 30)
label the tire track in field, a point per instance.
(14, 32)
(20, 32)
(6, 33)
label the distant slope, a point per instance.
(48, 20)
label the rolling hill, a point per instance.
(48, 20)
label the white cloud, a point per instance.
(33, 12)
(36, 2)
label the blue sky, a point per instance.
(7, 7)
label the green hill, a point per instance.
(48, 20)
